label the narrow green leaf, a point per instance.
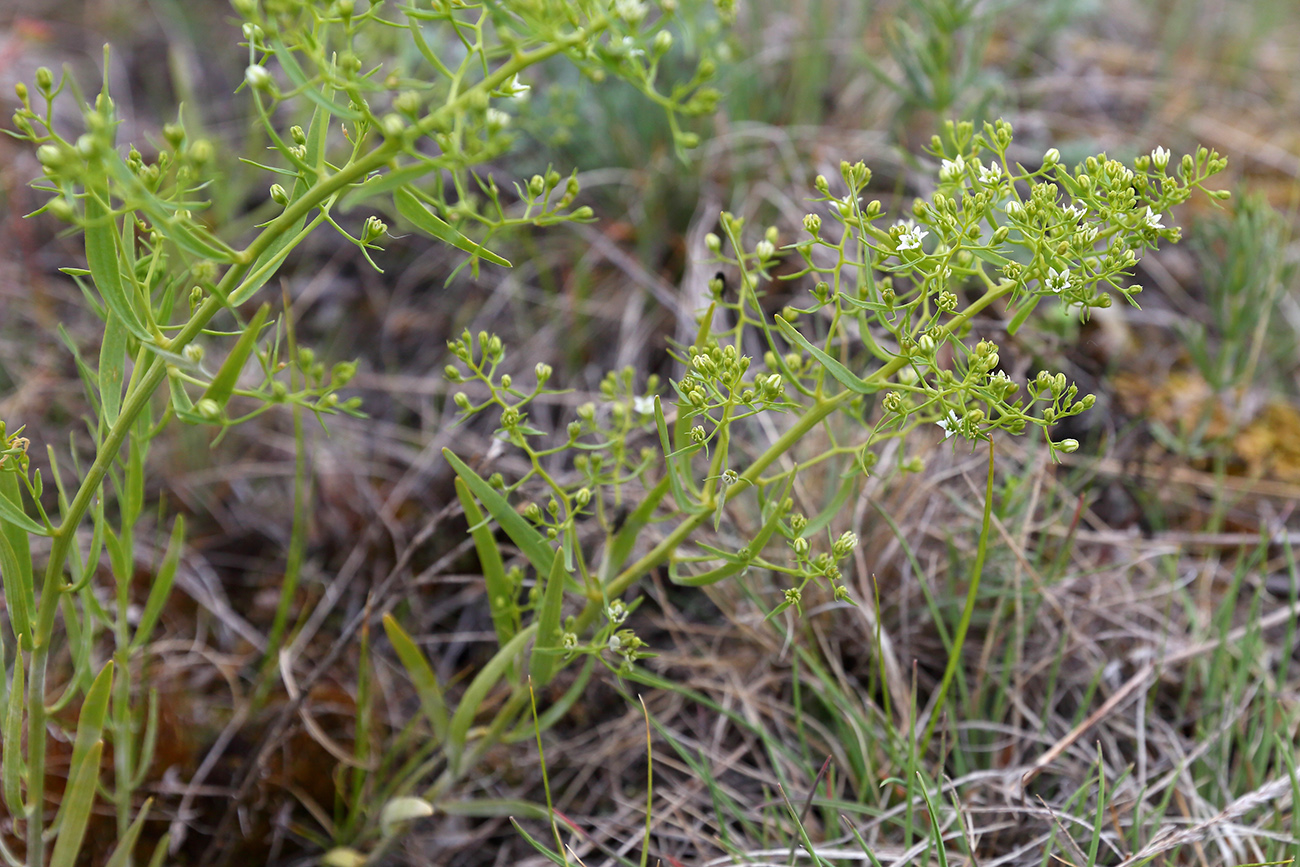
(289, 64)
(162, 584)
(223, 384)
(755, 547)
(181, 402)
(533, 545)
(426, 221)
(1022, 314)
(101, 257)
(547, 646)
(112, 367)
(421, 674)
(501, 602)
(12, 515)
(90, 722)
(390, 180)
(11, 752)
(19, 593)
(987, 254)
(841, 373)
(78, 798)
(479, 687)
(121, 856)
(670, 460)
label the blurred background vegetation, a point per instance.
(1169, 528)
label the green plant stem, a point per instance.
(145, 387)
(660, 553)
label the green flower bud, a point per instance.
(582, 497)
(257, 77)
(583, 213)
(393, 125)
(812, 223)
(279, 195)
(663, 41)
(44, 80)
(1069, 446)
(208, 409)
(822, 185)
(174, 134)
(461, 399)
(506, 380)
(193, 353)
(800, 546)
(711, 241)
(574, 430)
(543, 372)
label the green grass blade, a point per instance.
(162, 584)
(533, 545)
(500, 592)
(421, 674)
(547, 647)
(426, 221)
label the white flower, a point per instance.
(631, 11)
(999, 376)
(911, 239)
(764, 250)
(516, 89)
(1160, 158)
(1014, 209)
(1058, 281)
(1152, 220)
(497, 119)
(951, 170)
(990, 174)
(1087, 235)
(643, 405)
(951, 424)
(1074, 212)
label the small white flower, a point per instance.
(990, 174)
(1160, 158)
(1014, 209)
(1087, 235)
(764, 250)
(497, 119)
(1073, 213)
(617, 612)
(951, 424)
(999, 376)
(907, 224)
(643, 405)
(1152, 220)
(1058, 281)
(631, 11)
(911, 239)
(516, 89)
(952, 170)
(628, 47)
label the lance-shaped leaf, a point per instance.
(421, 674)
(78, 799)
(223, 384)
(499, 590)
(11, 752)
(842, 374)
(112, 367)
(533, 545)
(734, 567)
(426, 221)
(19, 593)
(121, 856)
(162, 584)
(101, 257)
(476, 692)
(547, 647)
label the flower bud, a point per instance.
(1051, 158)
(257, 77)
(279, 195)
(812, 223)
(44, 80)
(193, 353)
(543, 372)
(1069, 446)
(663, 41)
(764, 250)
(461, 399)
(393, 125)
(712, 241)
(208, 409)
(574, 430)
(583, 213)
